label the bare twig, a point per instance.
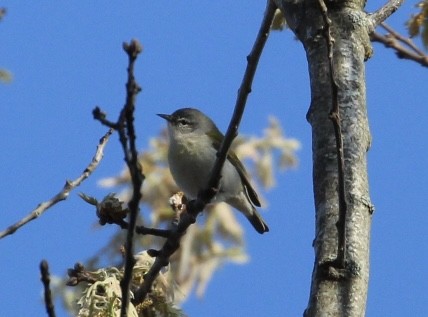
(243, 92)
(101, 116)
(127, 139)
(44, 270)
(335, 117)
(196, 206)
(64, 193)
(164, 233)
(383, 13)
(406, 40)
(394, 40)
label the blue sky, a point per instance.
(66, 57)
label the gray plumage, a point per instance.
(194, 142)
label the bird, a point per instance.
(194, 140)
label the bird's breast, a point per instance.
(190, 163)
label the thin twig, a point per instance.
(383, 13)
(407, 41)
(243, 92)
(393, 40)
(44, 270)
(101, 116)
(335, 117)
(194, 207)
(164, 233)
(127, 139)
(64, 193)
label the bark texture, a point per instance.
(335, 290)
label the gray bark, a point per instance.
(337, 291)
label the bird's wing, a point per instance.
(217, 138)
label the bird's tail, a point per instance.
(243, 204)
(257, 222)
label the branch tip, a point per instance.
(63, 194)
(133, 48)
(44, 270)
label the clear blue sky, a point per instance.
(66, 57)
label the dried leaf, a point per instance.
(418, 23)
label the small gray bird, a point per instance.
(194, 140)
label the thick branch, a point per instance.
(335, 118)
(337, 82)
(194, 207)
(63, 194)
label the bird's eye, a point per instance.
(183, 122)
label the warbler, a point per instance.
(194, 140)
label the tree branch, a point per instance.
(127, 137)
(64, 193)
(383, 13)
(243, 92)
(196, 206)
(335, 118)
(44, 270)
(407, 41)
(394, 40)
(135, 169)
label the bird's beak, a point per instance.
(167, 117)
